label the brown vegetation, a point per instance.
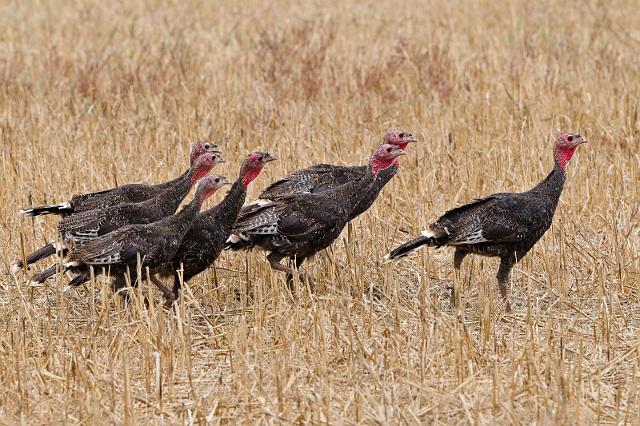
(100, 93)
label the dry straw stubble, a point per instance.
(94, 94)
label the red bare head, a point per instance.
(565, 147)
(384, 157)
(201, 147)
(399, 137)
(209, 185)
(203, 165)
(252, 166)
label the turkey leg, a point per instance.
(169, 296)
(298, 261)
(458, 257)
(503, 276)
(274, 260)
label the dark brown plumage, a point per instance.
(210, 230)
(131, 193)
(298, 226)
(90, 224)
(324, 177)
(504, 225)
(154, 244)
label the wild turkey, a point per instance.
(131, 193)
(299, 225)
(154, 244)
(323, 177)
(90, 224)
(504, 225)
(210, 230)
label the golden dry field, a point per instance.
(95, 94)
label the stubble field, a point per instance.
(94, 94)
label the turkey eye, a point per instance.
(388, 149)
(217, 180)
(207, 146)
(402, 135)
(570, 138)
(260, 158)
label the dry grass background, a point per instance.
(98, 93)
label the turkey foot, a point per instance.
(304, 277)
(504, 278)
(169, 296)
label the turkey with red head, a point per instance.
(84, 226)
(131, 193)
(298, 226)
(153, 244)
(211, 228)
(323, 177)
(504, 225)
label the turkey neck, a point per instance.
(225, 213)
(169, 200)
(385, 175)
(552, 185)
(170, 184)
(353, 192)
(181, 222)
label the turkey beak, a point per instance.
(582, 140)
(411, 139)
(270, 158)
(216, 149)
(225, 181)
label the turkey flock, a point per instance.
(133, 233)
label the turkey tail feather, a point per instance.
(42, 253)
(409, 247)
(44, 275)
(78, 281)
(62, 209)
